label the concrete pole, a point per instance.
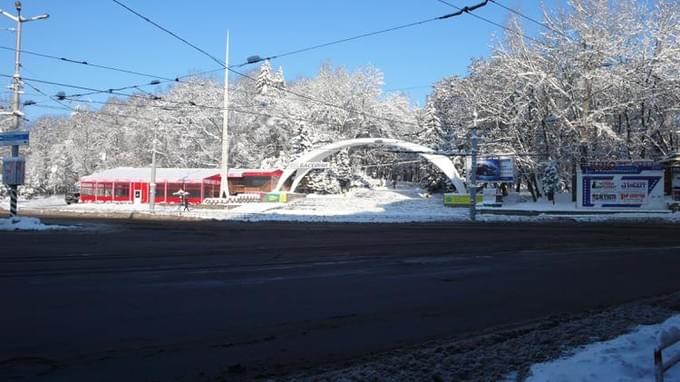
(224, 173)
(16, 88)
(16, 105)
(473, 170)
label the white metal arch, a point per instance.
(441, 161)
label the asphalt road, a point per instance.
(125, 300)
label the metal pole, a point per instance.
(224, 173)
(152, 181)
(473, 170)
(16, 88)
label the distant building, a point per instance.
(131, 184)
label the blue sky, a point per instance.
(102, 32)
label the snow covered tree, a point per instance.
(265, 79)
(551, 180)
(342, 170)
(300, 142)
(278, 79)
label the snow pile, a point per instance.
(625, 358)
(26, 224)
(362, 206)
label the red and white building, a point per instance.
(131, 184)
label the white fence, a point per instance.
(667, 338)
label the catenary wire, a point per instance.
(466, 9)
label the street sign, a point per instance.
(14, 138)
(13, 171)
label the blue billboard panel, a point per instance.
(494, 169)
(14, 138)
(635, 185)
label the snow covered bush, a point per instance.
(550, 180)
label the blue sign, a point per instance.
(633, 185)
(14, 138)
(494, 169)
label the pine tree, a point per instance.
(300, 142)
(278, 79)
(264, 79)
(342, 170)
(319, 181)
(551, 180)
(432, 135)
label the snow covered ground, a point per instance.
(625, 358)
(382, 205)
(27, 224)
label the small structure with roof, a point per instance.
(672, 168)
(131, 184)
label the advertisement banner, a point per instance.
(494, 169)
(631, 185)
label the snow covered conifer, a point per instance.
(342, 170)
(432, 135)
(264, 78)
(300, 142)
(551, 180)
(278, 79)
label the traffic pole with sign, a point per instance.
(473, 170)
(16, 88)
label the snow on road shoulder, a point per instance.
(27, 224)
(625, 358)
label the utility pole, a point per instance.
(473, 169)
(224, 173)
(152, 181)
(16, 89)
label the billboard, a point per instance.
(493, 169)
(632, 185)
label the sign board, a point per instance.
(493, 169)
(311, 165)
(14, 138)
(13, 170)
(460, 200)
(276, 197)
(631, 185)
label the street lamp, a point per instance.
(16, 87)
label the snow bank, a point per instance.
(382, 205)
(625, 358)
(26, 224)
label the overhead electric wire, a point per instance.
(164, 107)
(492, 22)
(369, 34)
(520, 14)
(87, 63)
(466, 9)
(168, 31)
